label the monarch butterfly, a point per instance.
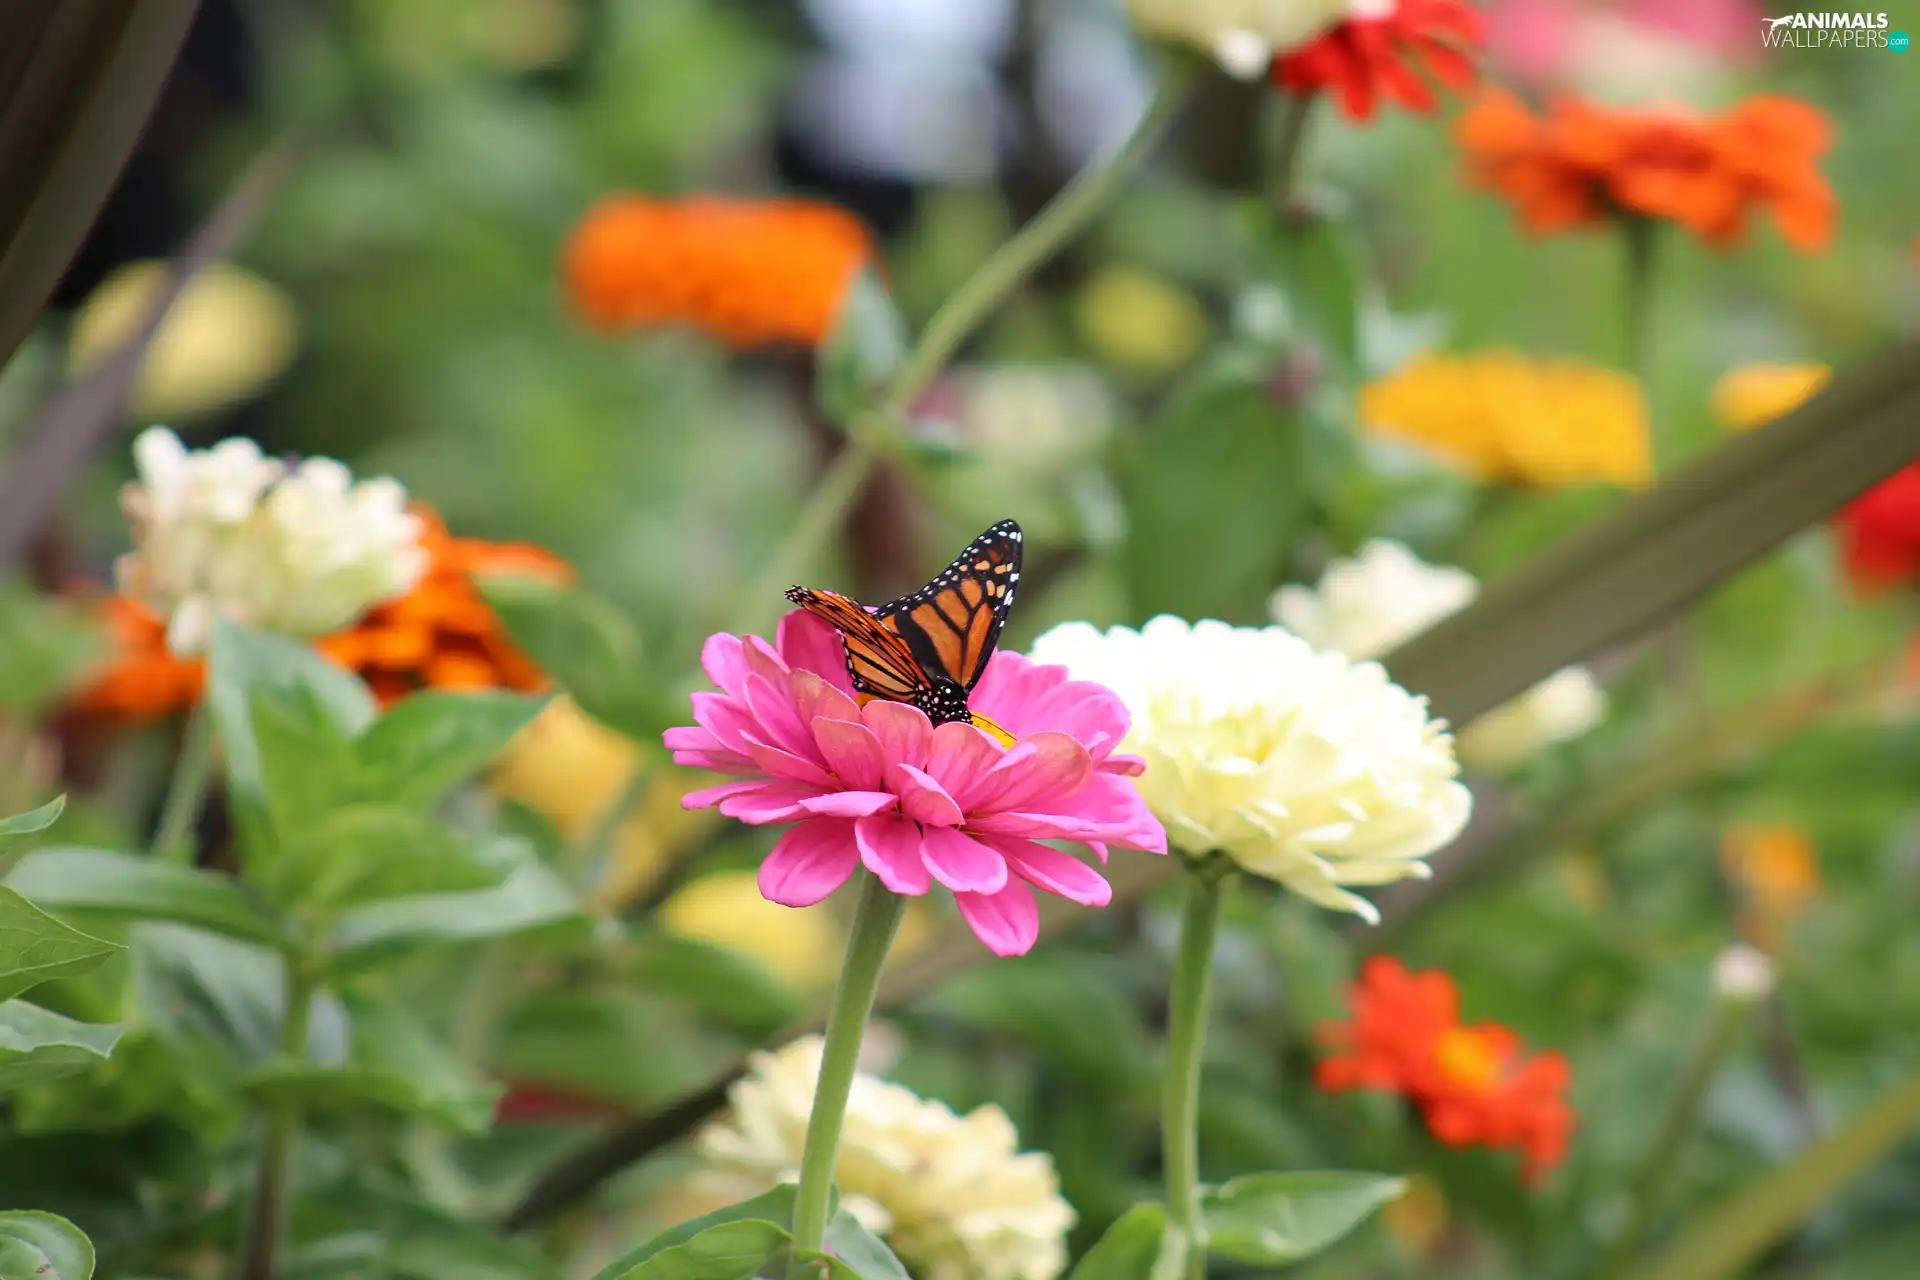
(929, 648)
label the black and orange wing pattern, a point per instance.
(878, 659)
(952, 624)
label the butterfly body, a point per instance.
(930, 647)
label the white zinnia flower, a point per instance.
(1242, 35)
(1742, 974)
(1304, 767)
(951, 1194)
(228, 531)
(1365, 606)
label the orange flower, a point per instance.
(1775, 870)
(1366, 58)
(143, 681)
(1473, 1084)
(751, 273)
(442, 634)
(1580, 162)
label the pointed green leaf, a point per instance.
(860, 1251)
(730, 1251)
(35, 947)
(1270, 1219)
(1135, 1247)
(733, 988)
(532, 897)
(43, 1246)
(589, 647)
(1312, 256)
(373, 853)
(124, 886)
(868, 341)
(222, 1001)
(38, 1044)
(774, 1210)
(432, 740)
(25, 824)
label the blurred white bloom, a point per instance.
(1037, 418)
(1303, 766)
(950, 1194)
(1365, 606)
(1742, 974)
(1242, 35)
(227, 531)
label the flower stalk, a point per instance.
(1295, 115)
(875, 921)
(187, 789)
(1187, 1039)
(267, 1213)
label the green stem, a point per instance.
(1295, 114)
(1656, 1168)
(267, 1213)
(874, 923)
(187, 789)
(1187, 1038)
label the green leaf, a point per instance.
(532, 897)
(589, 647)
(432, 740)
(1732, 1236)
(1224, 445)
(372, 853)
(35, 948)
(222, 1002)
(38, 1044)
(393, 1062)
(1135, 1247)
(731, 987)
(868, 342)
(1269, 1219)
(125, 886)
(1312, 256)
(774, 1209)
(1066, 1004)
(42, 1246)
(25, 824)
(730, 1251)
(862, 1252)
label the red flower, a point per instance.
(1880, 531)
(1474, 1085)
(1365, 58)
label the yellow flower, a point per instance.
(226, 337)
(1502, 416)
(1756, 394)
(1775, 869)
(801, 947)
(1140, 321)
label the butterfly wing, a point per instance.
(878, 659)
(951, 625)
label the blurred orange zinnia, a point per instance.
(142, 680)
(1473, 1084)
(751, 273)
(1580, 162)
(1374, 55)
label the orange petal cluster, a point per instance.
(751, 273)
(1579, 162)
(1474, 1085)
(443, 634)
(1365, 59)
(142, 680)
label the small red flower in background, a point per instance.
(1880, 531)
(1474, 1085)
(1376, 55)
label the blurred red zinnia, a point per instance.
(1474, 1085)
(1376, 55)
(1880, 531)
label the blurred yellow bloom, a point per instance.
(1505, 417)
(226, 337)
(803, 948)
(1417, 1218)
(1756, 394)
(1139, 321)
(569, 767)
(1775, 870)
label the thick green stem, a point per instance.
(266, 1215)
(1656, 1168)
(874, 922)
(187, 789)
(1187, 1040)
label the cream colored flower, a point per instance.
(1743, 974)
(227, 336)
(1367, 605)
(1242, 35)
(1304, 767)
(226, 531)
(951, 1194)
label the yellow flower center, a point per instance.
(1467, 1058)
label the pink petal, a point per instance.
(785, 764)
(808, 862)
(1124, 765)
(724, 717)
(767, 802)
(721, 659)
(762, 661)
(851, 751)
(961, 863)
(1053, 871)
(922, 799)
(718, 761)
(710, 796)
(1099, 849)
(961, 757)
(813, 697)
(780, 722)
(807, 643)
(1008, 922)
(1041, 772)
(891, 850)
(850, 804)
(905, 733)
(689, 737)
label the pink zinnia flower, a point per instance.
(880, 784)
